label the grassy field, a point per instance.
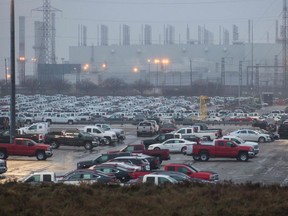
(185, 199)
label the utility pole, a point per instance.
(12, 52)
(191, 73)
(240, 81)
(6, 73)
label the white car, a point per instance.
(214, 118)
(174, 145)
(241, 142)
(251, 135)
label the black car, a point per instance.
(120, 173)
(283, 131)
(100, 159)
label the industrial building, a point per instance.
(247, 64)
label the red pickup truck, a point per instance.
(224, 149)
(183, 168)
(25, 147)
(163, 154)
(192, 171)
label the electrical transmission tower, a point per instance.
(47, 50)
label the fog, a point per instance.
(157, 13)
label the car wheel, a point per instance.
(49, 121)
(54, 145)
(3, 155)
(261, 140)
(243, 156)
(196, 158)
(204, 156)
(183, 150)
(157, 148)
(108, 141)
(40, 155)
(88, 146)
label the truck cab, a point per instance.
(40, 177)
(158, 179)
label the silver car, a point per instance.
(251, 135)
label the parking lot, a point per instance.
(268, 167)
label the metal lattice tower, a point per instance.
(47, 51)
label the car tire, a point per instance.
(109, 141)
(196, 158)
(157, 148)
(70, 122)
(54, 145)
(204, 156)
(261, 140)
(49, 121)
(40, 155)
(3, 155)
(88, 146)
(183, 150)
(243, 156)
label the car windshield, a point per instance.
(240, 140)
(193, 168)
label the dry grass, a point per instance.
(173, 200)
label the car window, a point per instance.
(171, 168)
(87, 176)
(103, 158)
(183, 170)
(251, 132)
(47, 178)
(220, 143)
(150, 179)
(162, 180)
(229, 144)
(242, 132)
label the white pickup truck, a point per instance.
(158, 179)
(40, 177)
(201, 134)
(59, 118)
(119, 132)
(97, 131)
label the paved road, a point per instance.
(269, 167)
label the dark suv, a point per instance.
(283, 131)
(100, 159)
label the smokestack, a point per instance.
(22, 58)
(277, 31)
(188, 35)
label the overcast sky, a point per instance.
(157, 13)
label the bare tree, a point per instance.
(60, 86)
(32, 85)
(86, 86)
(113, 84)
(141, 86)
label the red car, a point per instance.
(192, 171)
(167, 128)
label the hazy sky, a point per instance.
(157, 13)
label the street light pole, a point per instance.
(6, 71)
(12, 52)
